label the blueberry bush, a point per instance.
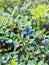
(24, 32)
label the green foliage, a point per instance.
(13, 62)
(40, 13)
(24, 40)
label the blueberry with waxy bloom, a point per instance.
(11, 44)
(43, 41)
(46, 26)
(3, 40)
(26, 31)
(36, 58)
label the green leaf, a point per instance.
(13, 62)
(31, 63)
(41, 62)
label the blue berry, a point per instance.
(43, 41)
(27, 31)
(11, 43)
(45, 25)
(36, 58)
(3, 40)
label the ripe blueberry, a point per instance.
(3, 40)
(46, 26)
(43, 41)
(11, 43)
(26, 32)
(36, 59)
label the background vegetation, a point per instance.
(24, 32)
